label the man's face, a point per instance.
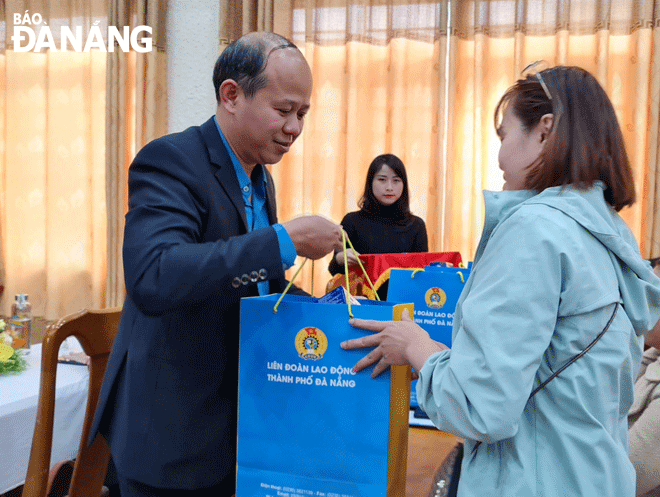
(273, 118)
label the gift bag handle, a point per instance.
(459, 273)
(345, 240)
(286, 289)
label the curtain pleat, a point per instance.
(421, 80)
(651, 210)
(118, 152)
(136, 114)
(52, 212)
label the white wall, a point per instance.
(193, 30)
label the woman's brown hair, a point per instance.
(585, 143)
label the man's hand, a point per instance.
(397, 343)
(314, 236)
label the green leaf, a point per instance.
(15, 364)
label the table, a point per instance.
(19, 394)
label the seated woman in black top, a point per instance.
(384, 223)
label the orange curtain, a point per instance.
(421, 80)
(651, 211)
(52, 220)
(53, 212)
(135, 114)
(614, 40)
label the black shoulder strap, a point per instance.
(577, 356)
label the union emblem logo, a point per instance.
(311, 343)
(435, 297)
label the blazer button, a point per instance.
(236, 282)
(263, 274)
(245, 279)
(254, 276)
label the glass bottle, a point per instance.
(20, 323)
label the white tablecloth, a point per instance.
(19, 394)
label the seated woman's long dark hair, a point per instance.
(368, 203)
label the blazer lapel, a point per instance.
(225, 174)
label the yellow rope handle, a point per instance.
(312, 292)
(459, 273)
(277, 304)
(348, 286)
(348, 289)
(364, 271)
(384, 276)
(344, 240)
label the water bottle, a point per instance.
(20, 323)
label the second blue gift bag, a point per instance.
(434, 292)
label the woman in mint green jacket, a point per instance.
(555, 267)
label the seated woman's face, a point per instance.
(387, 186)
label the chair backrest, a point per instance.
(96, 330)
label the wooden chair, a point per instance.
(95, 329)
(428, 448)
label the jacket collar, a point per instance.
(498, 206)
(219, 157)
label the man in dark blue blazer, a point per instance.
(201, 233)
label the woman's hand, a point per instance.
(351, 257)
(397, 343)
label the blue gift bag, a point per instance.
(308, 426)
(434, 293)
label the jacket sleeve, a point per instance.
(479, 389)
(169, 258)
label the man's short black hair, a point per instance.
(244, 61)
